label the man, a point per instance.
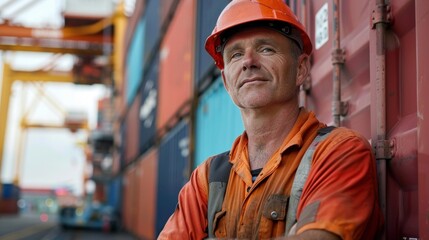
(263, 53)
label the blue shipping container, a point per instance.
(134, 62)
(207, 14)
(153, 29)
(114, 193)
(10, 191)
(123, 132)
(218, 123)
(149, 106)
(172, 171)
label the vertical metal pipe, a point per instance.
(120, 24)
(194, 100)
(21, 137)
(381, 144)
(305, 87)
(6, 84)
(337, 62)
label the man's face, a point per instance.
(261, 69)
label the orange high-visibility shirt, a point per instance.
(340, 194)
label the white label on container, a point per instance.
(322, 24)
(149, 105)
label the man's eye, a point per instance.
(267, 50)
(236, 55)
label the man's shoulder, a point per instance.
(341, 134)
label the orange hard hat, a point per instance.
(249, 12)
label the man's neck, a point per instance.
(266, 133)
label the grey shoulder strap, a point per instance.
(301, 177)
(218, 180)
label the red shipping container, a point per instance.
(176, 63)
(130, 199)
(8, 206)
(378, 83)
(133, 130)
(166, 6)
(146, 205)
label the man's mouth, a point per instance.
(251, 80)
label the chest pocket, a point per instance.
(273, 214)
(219, 224)
(275, 207)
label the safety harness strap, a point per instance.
(220, 168)
(301, 177)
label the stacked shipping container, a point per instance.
(184, 115)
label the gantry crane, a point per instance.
(85, 38)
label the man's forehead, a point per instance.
(256, 34)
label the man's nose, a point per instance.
(250, 60)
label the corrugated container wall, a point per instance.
(10, 191)
(422, 37)
(173, 172)
(360, 76)
(149, 107)
(134, 64)
(207, 13)
(147, 168)
(152, 35)
(355, 82)
(176, 63)
(114, 193)
(130, 189)
(133, 21)
(9, 206)
(218, 122)
(133, 124)
(122, 147)
(167, 10)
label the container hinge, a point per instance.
(384, 149)
(340, 108)
(381, 14)
(338, 56)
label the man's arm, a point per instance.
(314, 235)
(340, 195)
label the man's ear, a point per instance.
(303, 69)
(224, 80)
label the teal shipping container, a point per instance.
(134, 62)
(218, 123)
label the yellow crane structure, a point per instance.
(86, 41)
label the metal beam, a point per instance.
(90, 33)
(6, 85)
(42, 76)
(83, 40)
(91, 50)
(120, 23)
